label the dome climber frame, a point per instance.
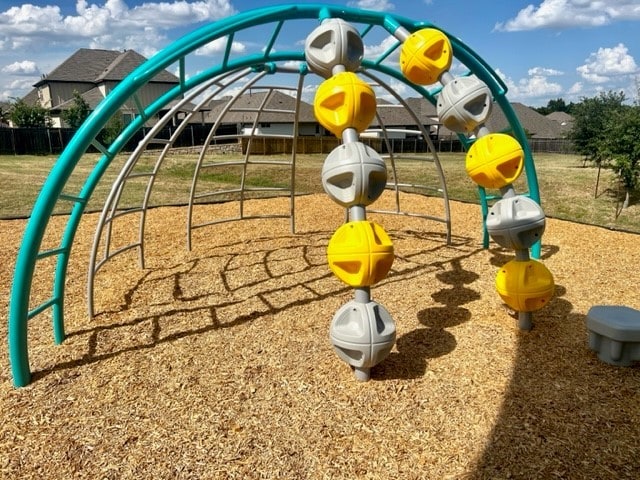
(502, 219)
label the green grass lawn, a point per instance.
(567, 185)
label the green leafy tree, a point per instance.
(590, 119)
(555, 105)
(78, 112)
(24, 115)
(5, 112)
(112, 128)
(622, 147)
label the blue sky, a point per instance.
(543, 49)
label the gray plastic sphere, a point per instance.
(463, 104)
(354, 174)
(362, 334)
(516, 222)
(335, 42)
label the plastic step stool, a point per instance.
(614, 333)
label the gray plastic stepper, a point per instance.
(464, 103)
(333, 43)
(614, 333)
(362, 334)
(516, 222)
(354, 174)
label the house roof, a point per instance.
(560, 117)
(244, 108)
(94, 96)
(94, 66)
(563, 119)
(126, 62)
(535, 124)
(395, 115)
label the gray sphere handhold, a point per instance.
(463, 104)
(354, 174)
(516, 222)
(362, 334)
(334, 42)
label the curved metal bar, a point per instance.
(203, 150)
(425, 134)
(111, 203)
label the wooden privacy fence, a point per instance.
(50, 141)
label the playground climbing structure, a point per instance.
(426, 53)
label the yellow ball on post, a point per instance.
(344, 101)
(525, 286)
(360, 253)
(425, 54)
(495, 160)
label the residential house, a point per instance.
(535, 124)
(93, 74)
(274, 107)
(564, 119)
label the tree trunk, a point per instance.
(625, 204)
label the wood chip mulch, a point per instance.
(216, 363)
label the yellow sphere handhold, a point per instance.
(495, 160)
(525, 286)
(360, 253)
(344, 101)
(425, 54)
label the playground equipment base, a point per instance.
(614, 334)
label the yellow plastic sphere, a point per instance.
(360, 253)
(344, 101)
(495, 160)
(425, 55)
(525, 286)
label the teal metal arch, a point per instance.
(52, 191)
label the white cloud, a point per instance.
(575, 89)
(571, 13)
(293, 64)
(399, 87)
(25, 67)
(607, 63)
(218, 46)
(545, 72)
(531, 87)
(109, 22)
(309, 92)
(373, 51)
(379, 5)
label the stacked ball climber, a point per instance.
(494, 161)
(360, 253)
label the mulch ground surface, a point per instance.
(215, 363)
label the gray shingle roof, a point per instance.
(94, 66)
(534, 123)
(253, 100)
(394, 115)
(127, 61)
(93, 97)
(564, 119)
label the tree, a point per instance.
(24, 115)
(555, 105)
(5, 111)
(112, 128)
(76, 114)
(622, 147)
(590, 118)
